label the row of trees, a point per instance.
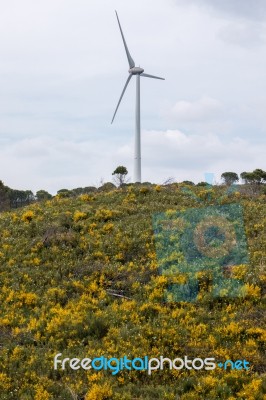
(13, 198)
(258, 176)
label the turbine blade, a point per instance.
(130, 59)
(152, 76)
(127, 82)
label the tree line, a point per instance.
(14, 198)
(257, 177)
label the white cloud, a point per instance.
(189, 157)
(205, 108)
(51, 164)
(63, 67)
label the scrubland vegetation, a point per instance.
(64, 261)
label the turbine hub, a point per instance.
(136, 70)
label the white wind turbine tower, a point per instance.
(133, 70)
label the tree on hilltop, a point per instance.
(258, 176)
(43, 195)
(4, 204)
(229, 178)
(120, 175)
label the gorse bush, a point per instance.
(80, 276)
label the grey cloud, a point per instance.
(250, 9)
(248, 35)
(63, 67)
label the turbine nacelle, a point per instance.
(136, 70)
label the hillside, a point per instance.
(80, 276)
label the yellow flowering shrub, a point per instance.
(86, 197)
(5, 382)
(99, 392)
(79, 215)
(41, 394)
(251, 290)
(104, 214)
(27, 216)
(80, 277)
(250, 390)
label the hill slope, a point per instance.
(80, 277)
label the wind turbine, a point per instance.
(133, 70)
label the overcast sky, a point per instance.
(63, 67)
